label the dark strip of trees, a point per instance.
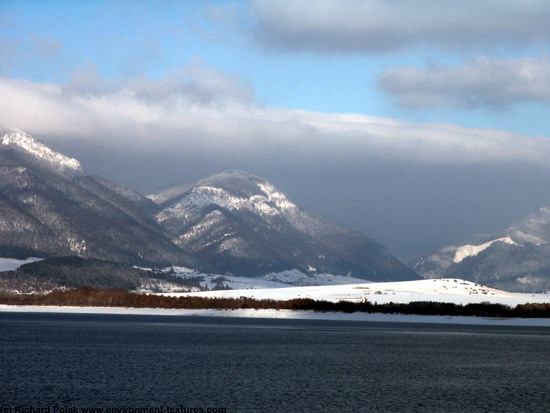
(92, 297)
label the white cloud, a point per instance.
(343, 26)
(209, 111)
(195, 83)
(484, 81)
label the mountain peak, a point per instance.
(231, 175)
(534, 228)
(233, 183)
(236, 173)
(25, 143)
(247, 226)
(231, 190)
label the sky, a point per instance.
(417, 123)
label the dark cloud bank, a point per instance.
(355, 26)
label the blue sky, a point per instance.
(368, 95)
(52, 41)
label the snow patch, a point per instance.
(276, 197)
(469, 250)
(77, 246)
(205, 225)
(237, 246)
(283, 279)
(37, 149)
(295, 277)
(272, 203)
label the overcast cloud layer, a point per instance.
(356, 26)
(496, 83)
(203, 108)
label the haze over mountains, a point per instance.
(232, 223)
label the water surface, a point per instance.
(249, 365)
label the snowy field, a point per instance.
(282, 286)
(441, 290)
(272, 280)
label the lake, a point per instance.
(175, 364)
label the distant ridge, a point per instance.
(514, 259)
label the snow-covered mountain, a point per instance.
(242, 224)
(34, 150)
(50, 207)
(231, 223)
(515, 259)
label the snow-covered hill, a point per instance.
(245, 226)
(289, 278)
(441, 290)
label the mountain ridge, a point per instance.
(230, 223)
(27, 144)
(50, 207)
(516, 258)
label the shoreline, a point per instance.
(283, 314)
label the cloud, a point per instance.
(202, 110)
(195, 83)
(44, 47)
(483, 82)
(378, 26)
